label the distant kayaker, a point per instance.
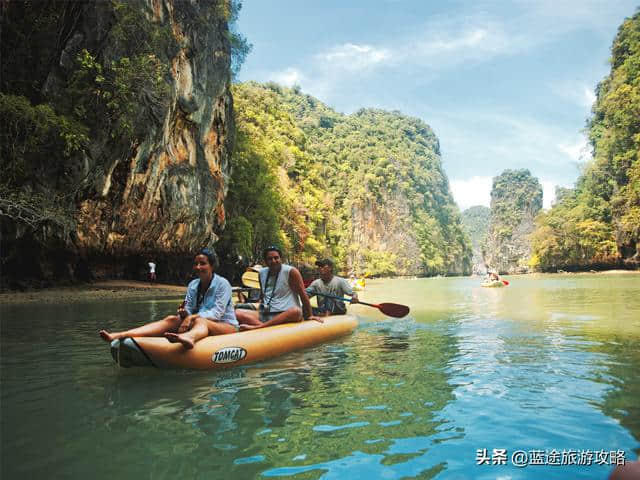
(207, 309)
(492, 276)
(283, 297)
(331, 285)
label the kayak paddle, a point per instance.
(505, 282)
(389, 309)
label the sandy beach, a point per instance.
(109, 289)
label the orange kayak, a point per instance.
(226, 351)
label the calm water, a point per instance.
(548, 363)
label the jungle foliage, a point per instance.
(597, 223)
(476, 221)
(62, 92)
(515, 195)
(56, 101)
(316, 168)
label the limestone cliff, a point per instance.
(152, 177)
(367, 189)
(476, 221)
(516, 199)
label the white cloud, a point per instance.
(522, 140)
(439, 44)
(477, 191)
(549, 192)
(288, 77)
(355, 57)
(452, 44)
(442, 46)
(578, 152)
(588, 96)
(471, 191)
(579, 94)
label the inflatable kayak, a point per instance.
(225, 351)
(493, 284)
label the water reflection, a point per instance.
(544, 363)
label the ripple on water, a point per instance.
(405, 398)
(333, 428)
(245, 460)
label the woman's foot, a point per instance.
(108, 337)
(180, 338)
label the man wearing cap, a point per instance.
(330, 284)
(283, 297)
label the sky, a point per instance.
(503, 84)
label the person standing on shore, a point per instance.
(331, 285)
(283, 297)
(207, 309)
(152, 271)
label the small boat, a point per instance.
(226, 351)
(493, 284)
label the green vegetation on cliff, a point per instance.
(367, 189)
(275, 190)
(597, 224)
(516, 198)
(85, 93)
(476, 222)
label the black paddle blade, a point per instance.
(394, 309)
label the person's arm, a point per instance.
(297, 285)
(354, 298)
(189, 300)
(346, 288)
(215, 307)
(185, 311)
(311, 289)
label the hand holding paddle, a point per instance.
(389, 309)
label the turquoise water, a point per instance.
(549, 365)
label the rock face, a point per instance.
(516, 199)
(476, 221)
(367, 189)
(391, 192)
(384, 229)
(159, 194)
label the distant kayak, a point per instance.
(493, 284)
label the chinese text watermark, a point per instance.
(524, 458)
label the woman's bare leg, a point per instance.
(153, 329)
(202, 327)
(247, 317)
(294, 314)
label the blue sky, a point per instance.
(503, 84)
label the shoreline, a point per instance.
(101, 290)
(132, 289)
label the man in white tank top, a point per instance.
(283, 296)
